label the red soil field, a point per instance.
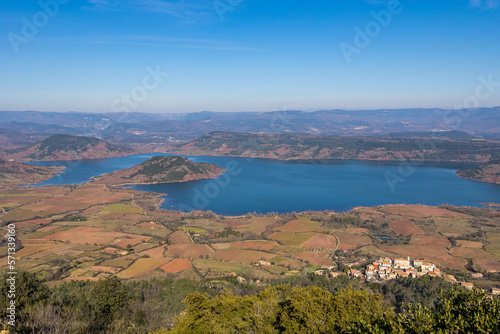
(132, 241)
(405, 227)
(80, 198)
(176, 266)
(321, 241)
(346, 247)
(180, 237)
(419, 211)
(32, 223)
(188, 251)
(84, 235)
(315, 258)
(347, 240)
(156, 252)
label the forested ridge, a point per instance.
(292, 146)
(307, 304)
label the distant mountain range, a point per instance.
(66, 147)
(176, 128)
(162, 169)
(11, 138)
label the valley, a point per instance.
(90, 231)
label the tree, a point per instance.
(107, 297)
(458, 311)
(28, 292)
(283, 309)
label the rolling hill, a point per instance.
(432, 134)
(293, 147)
(162, 169)
(13, 174)
(489, 172)
(9, 138)
(67, 147)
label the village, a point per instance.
(387, 269)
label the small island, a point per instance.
(489, 172)
(161, 169)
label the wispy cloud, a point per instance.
(193, 43)
(484, 4)
(188, 10)
(161, 41)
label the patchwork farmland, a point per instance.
(89, 232)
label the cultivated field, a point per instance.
(405, 227)
(261, 245)
(180, 237)
(321, 241)
(188, 251)
(157, 252)
(176, 266)
(291, 239)
(141, 267)
(241, 256)
(302, 224)
(315, 258)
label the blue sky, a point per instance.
(248, 55)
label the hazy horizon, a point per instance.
(245, 111)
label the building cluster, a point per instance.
(387, 268)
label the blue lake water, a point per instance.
(263, 185)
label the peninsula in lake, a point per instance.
(14, 174)
(162, 169)
(489, 172)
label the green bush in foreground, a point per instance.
(310, 304)
(312, 310)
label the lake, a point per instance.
(263, 185)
